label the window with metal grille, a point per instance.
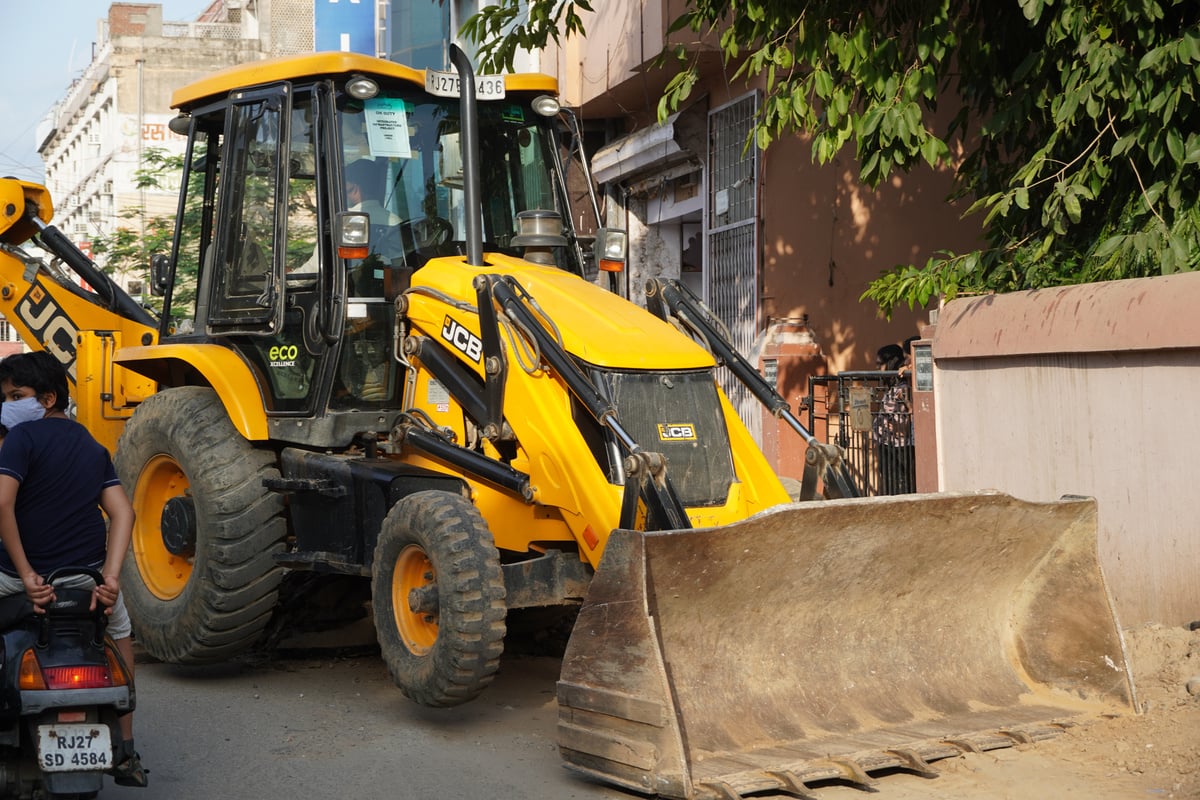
(733, 250)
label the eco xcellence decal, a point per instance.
(283, 355)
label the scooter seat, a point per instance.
(13, 609)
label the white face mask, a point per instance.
(14, 412)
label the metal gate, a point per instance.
(846, 409)
(731, 222)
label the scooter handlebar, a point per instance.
(70, 572)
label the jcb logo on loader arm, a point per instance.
(676, 432)
(463, 340)
(49, 325)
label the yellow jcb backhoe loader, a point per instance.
(378, 358)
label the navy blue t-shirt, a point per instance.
(62, 471)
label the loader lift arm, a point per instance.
(114, 298)
(502, 297)
(26, 215)
(673, 302)
(646, 472)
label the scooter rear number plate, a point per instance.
(70, 748)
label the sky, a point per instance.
(43, 47)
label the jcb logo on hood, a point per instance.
(463, 340)
(676, 432)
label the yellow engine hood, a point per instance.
(596, 326)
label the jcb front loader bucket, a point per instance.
(829, 640)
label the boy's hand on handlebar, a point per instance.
(106, 593)
(40, 593)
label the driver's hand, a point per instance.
(106, 593)
(40, 593)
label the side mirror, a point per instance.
(181, 124)
(160, 274)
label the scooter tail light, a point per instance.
(120, 677)
(30, 675)
(82, 676)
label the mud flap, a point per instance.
(830, 640)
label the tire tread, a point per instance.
(470, 640)
(233, 590)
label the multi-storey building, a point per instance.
(95, 140)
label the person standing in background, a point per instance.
(892, 425)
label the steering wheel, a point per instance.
(425, 232)
(411, 242)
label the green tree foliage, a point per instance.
(1074, 126)
(128, 249)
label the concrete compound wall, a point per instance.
(1086, 390)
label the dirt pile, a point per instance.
(1164, 661)
(1161, 745)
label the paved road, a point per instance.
(336, 727)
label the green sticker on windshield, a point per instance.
(387, 127)
(513, 113)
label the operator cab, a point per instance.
(310, 199)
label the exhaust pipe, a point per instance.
(469, 141)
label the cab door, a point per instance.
(269, 295)
(247, 287)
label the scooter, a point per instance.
(62, 688)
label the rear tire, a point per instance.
(213, 596)
(435, 551)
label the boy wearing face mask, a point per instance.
(54, 480)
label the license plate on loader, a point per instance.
(71, 748)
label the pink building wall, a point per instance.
(812, 216)
(1087, 390)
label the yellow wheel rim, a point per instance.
(413, 570)
(164, 573)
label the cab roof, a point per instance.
(319, 65)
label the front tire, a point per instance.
(438, 596)
(201, 580)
